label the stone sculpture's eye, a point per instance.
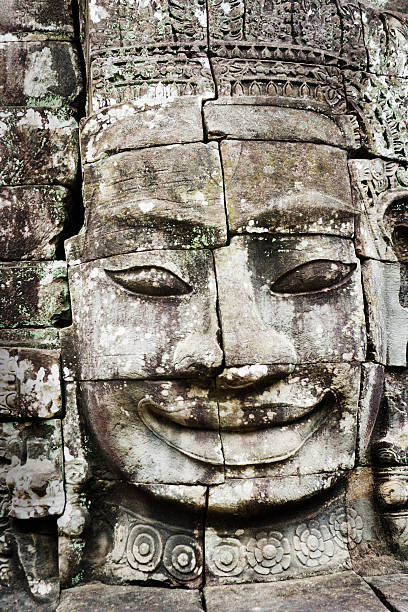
(149, 280)
(314, 276)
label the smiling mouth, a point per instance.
(240, 447)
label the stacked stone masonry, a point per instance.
(203, 378)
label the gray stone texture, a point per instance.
(38, 147)
(34, 294)
(393, 590)
(345, 591)
(33, 221)
(34, 19)
(104, 598)
(155, 198)
(300, 188)
(134, 125)
(39, 74)
(29, 383)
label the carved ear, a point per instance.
(395, 227)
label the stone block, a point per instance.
(38, 147)
(129, 598)
(29, 383)
(390, 442)
(380, 192)
(303, 424)
(276, 548)
(29, 564)
(164, 322)
(39, 74)
(372, 552)
(47, 338)
(33, 294)
(123, 25)
(372, 383)
(294, 187)
(392, 589)
(133, 125)
(386, 41)
(129, 74)
(36, 19)
(381, 102)
(284, 317)
(156, 198)
(141, 533)
(137, 439)
(345, 591)
(33, 220)
(385, 288)
(31, 475)
(227, 118)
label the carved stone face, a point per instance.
(235, 355)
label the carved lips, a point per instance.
(243, 444)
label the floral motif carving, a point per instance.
(347, 529)
(182, 557)
(268, 553)
(227, 558)
(313, 544)
(144, 548)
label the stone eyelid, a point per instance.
(317, 276)
(152, 281)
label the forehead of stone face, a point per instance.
(287, 187)
(160, 197)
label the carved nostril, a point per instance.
(249, 375)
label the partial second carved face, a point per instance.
(238, 359)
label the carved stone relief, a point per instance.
(234, 309)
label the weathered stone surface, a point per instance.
(142, 541)
(385, 288)
(273, 548)
(101, 598)
(29, 383)
(386, 41)
(137, 439)
(164, 322)
(122, 24)
(381, 103)
(301, 188)
(47, 338)
(156, 198)
(345, 591)
(35, 544)
(33, 294)
(393, 590)
(227, 118)
(303, 424)
(38, 146)
(370, 400)
(372, 551)
(33, 220)
(130, 75)
(390, 444)
(135, 125)
(284, 317)
(39, 74)
(380, 190)
(34, 19)
(31, 473)
(254, 496)
(73, 521)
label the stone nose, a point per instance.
(247, 339)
